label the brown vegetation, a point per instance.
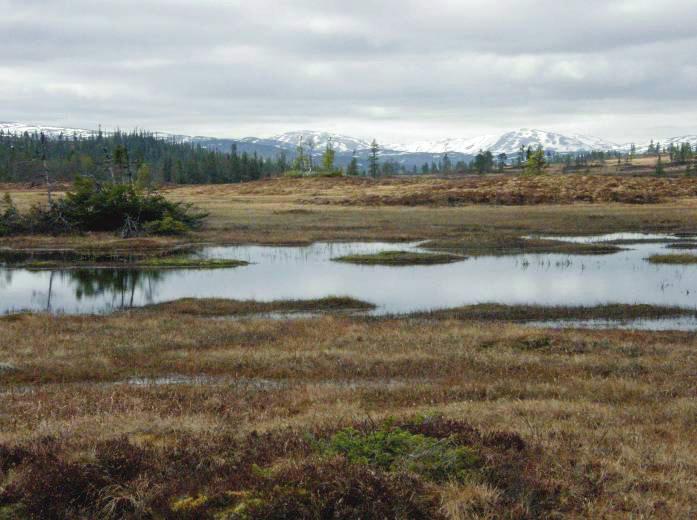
(223, 307)
(581, 423)
(273, 212)
(522, 190)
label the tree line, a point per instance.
(122, 157)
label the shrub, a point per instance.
(103, 207)
(10, 219)
(53, 488)
(120, 459)
(337, 489)
(168, 225)
(94, 207)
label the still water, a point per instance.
(308, 272)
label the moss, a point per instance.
(12, 512)
(678, 259)
(395, 449)
(401, 258)
(188, 504)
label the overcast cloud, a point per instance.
(625, 70)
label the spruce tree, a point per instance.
(660, 170)
(352, 169)
(536, 163)
(328, 158)
(373, 161)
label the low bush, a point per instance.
(364, 471)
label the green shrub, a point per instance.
(397, 449)
(10, 219)
(103, 207)
(168, 225)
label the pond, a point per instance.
(308, 272)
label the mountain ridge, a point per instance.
(418, 152)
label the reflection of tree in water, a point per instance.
(120, 284)
(5, 278)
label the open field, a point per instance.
(285, 211)
(605, 420)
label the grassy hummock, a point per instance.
(503, 243)
(678, 259)
(190, 263)
(682, 245)
(225, 307)
(523, 313)
(401, 258)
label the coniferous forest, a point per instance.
(124, 157)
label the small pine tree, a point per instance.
(660, 170)
(352, 169)
(144, 178)
(299, 161)
(536, 162)
(373, 162)
(328, 158)
(447, 164)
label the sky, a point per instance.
(397, 70)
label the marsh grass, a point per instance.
(496, 244)
(358, 472)
(582, 424)
(400, 258)
(184, 262)
(225, 307)
(676, 259)
(523, 313)
(582, 417)
(682, 245)
(141, 253)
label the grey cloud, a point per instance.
(240, 67)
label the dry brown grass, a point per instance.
(273, 212)
(507, 191)
(612, 413)
(224, 307)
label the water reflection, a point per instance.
(78, 291)
(308, 272)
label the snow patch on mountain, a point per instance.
(49, 131)
(318, 140)
(510, 143)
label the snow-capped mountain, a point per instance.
(665, 143)
(510, 143)
(409, 155)
(49, 131)
(56, 131)
(319, 141)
